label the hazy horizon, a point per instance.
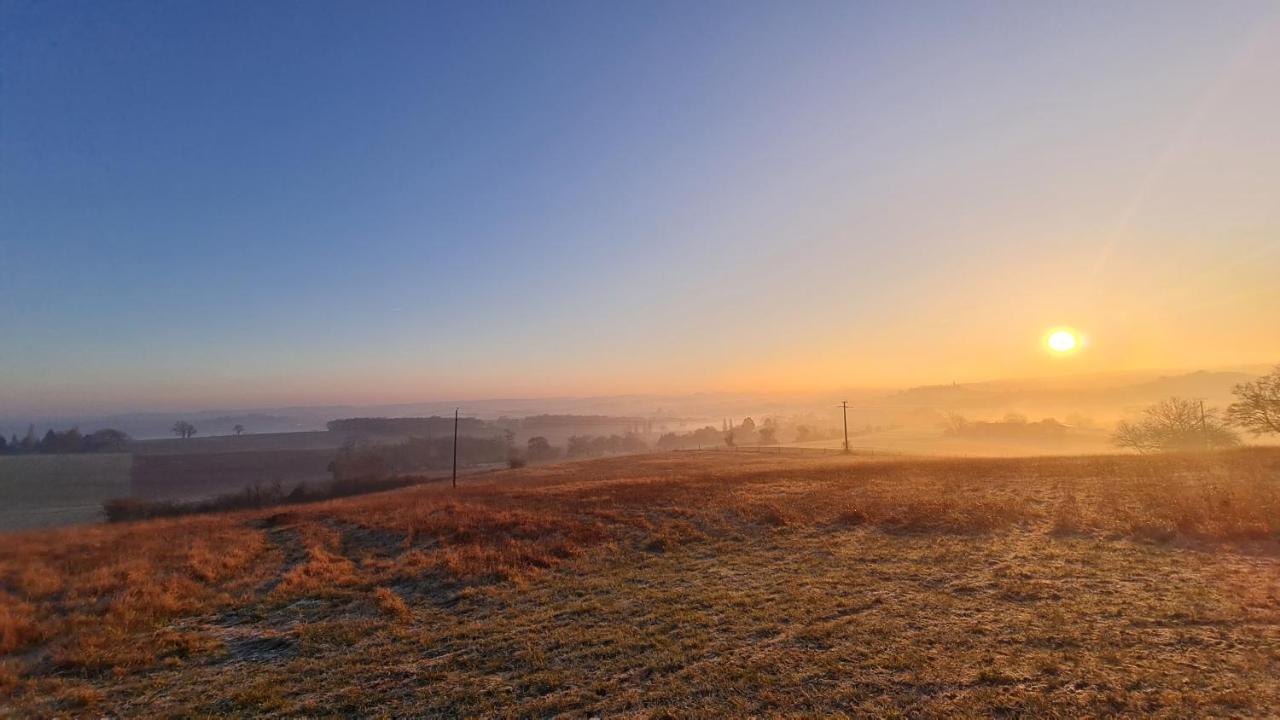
(248, 205)
(688, 404)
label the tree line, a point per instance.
(747, 432)
(1185, 424)
(412, 427)
(1013, 426)
(598, 445)
(65, 442)
(360, 459)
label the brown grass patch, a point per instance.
(103, 603)
(391, 603)
(18, 624)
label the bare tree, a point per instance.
(1257, 408)
(954, 424)
(183, 429)
(1174, 424)
(238, 429)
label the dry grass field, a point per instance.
(680, 585)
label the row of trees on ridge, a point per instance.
(64, 442)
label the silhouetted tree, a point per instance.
(1257, 408)
(238, 429)
(1174, 424)
(70, 441)
(183, 429)
(768, 435)
(539, 449)
(106, 440)
(29, 442)
(4, 444)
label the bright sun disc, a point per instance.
(1062, 341)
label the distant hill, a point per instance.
(1106, 395)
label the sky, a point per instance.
(240, 204)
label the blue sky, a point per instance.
(232, 204)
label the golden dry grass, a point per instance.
(690, 585)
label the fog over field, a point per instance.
(1102, 397)
(1043, 416)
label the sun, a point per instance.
(1062, 341)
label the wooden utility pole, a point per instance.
(455, 447)
(1204, 430)
(844, 410)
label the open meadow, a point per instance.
(687, 584)
(51, 490)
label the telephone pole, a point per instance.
(844, 410)
(455, 448)
(1204, 430)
